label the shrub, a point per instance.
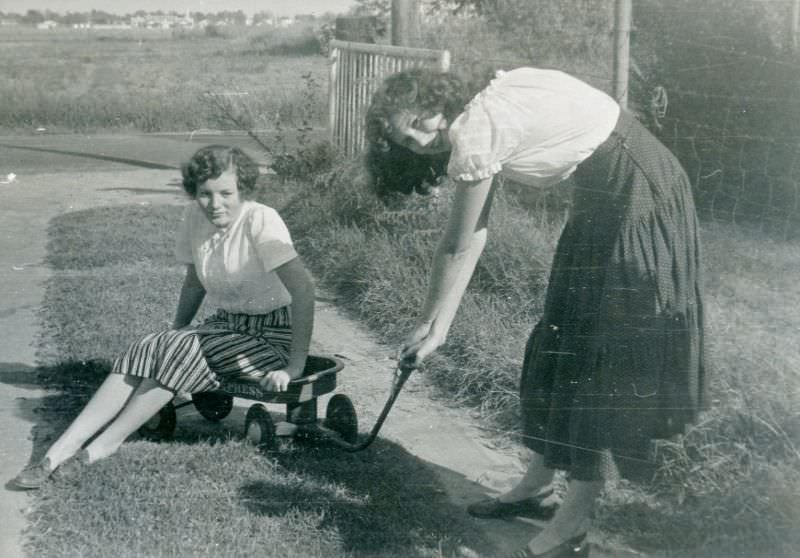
(732, 103)
(299, 41)
(571, 35)
(214, 32)
(305, 163)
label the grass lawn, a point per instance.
(206, 492)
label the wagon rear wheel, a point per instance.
(162, 425)
(213, 406)
(340, 416)
(259, 428)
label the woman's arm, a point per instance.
(192, 294)
(454, 262)
(298, 282)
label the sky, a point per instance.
(277, 7)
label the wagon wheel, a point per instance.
(213, 406)
(162, 425)
(259, 428)
(340, 416)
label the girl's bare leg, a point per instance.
(104, 405)
(148, 398)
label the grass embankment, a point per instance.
(205, 493)
(729, 488)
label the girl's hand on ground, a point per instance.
(277, 380)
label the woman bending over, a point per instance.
(616, 359)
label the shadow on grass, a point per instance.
(381, 502)
(97, 156)
(59, 393)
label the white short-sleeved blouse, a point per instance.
(532, 125)
(236, 265)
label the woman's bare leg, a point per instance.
(572, 517)
(104, 405)
(535, 479)
(148, 398)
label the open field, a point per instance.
(150, 81)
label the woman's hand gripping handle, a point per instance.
(420, 343)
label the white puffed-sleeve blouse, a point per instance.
(532, 125)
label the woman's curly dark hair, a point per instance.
(211, 161)
(391, 167)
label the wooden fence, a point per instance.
(356, 71)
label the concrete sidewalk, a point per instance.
(28, 204)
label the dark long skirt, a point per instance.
(617, 359)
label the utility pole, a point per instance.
(405, 23)
(622, 50)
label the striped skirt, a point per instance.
(224, 346)
(617, 359)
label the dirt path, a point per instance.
(448, 438)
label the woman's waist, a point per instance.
(621, 130)
(248, 301)
(252, 324)
(224, 314)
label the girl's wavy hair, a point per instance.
(211, 161)
(391, 167)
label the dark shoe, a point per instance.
(576, 547)
(33, 476)
(71, 468)
(492, 508)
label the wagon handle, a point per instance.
(401, 374)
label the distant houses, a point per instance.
(163, 21)
(120, 25)
(142, 20)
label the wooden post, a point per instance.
(405, 22)
(622, 50)
(333, 100)
(443, 64)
